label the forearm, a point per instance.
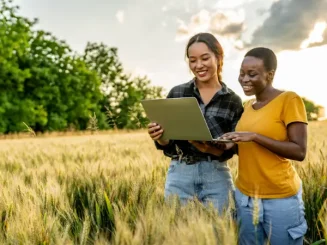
(162, 142)
(215, 151)
(284, 149)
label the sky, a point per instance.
(151, 35)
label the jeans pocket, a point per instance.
(172, 166)
(241, 200)
(298, 230)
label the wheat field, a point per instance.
(107, 188)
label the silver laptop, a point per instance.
(181, 119)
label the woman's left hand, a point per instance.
(240, 136)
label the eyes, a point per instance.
(250, 74)
(193, 60)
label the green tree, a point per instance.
(48, 87)
(14, 41)
(42, 83)
(311, 108)
(62, 83)
(122, 92)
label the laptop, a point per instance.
(181, 119)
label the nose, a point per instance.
(199, 64)
(245, 79)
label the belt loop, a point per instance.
(209, 158)
(179, 152)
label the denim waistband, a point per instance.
(193, 159)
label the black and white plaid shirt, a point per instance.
(221, 114)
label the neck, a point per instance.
(265, 94)
(212, 83)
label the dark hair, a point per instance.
(213, 45)
(266, 55)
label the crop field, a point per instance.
(107, 188)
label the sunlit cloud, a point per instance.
(230, 4)
(289, 25)
(189, 6)
(182, 31)
(316, 35)
(227, 25)
(120, 16)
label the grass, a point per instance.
(105, 188)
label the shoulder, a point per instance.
(293, 108)
(181, 89)
(288, 95)
(182, 86)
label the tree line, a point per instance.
(46, 85)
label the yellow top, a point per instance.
(262, 173)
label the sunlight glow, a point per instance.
(316, 35)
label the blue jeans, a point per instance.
(281, 221)
(208, 181)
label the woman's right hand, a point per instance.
(155, 131)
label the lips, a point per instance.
(202, 73)
(247, 88)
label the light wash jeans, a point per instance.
(281, 221)
(208, 181)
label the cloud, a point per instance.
(229, 24)
(182, 31)
(290, 23)
(228, 4)
(120, 15)
(317, 35)
(190, 6)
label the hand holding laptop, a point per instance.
(155, 131)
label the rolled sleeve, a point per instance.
(168, 150)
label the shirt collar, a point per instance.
(224, 89)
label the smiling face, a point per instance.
(202, 62)
(254, 77)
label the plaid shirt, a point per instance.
(221, 114)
